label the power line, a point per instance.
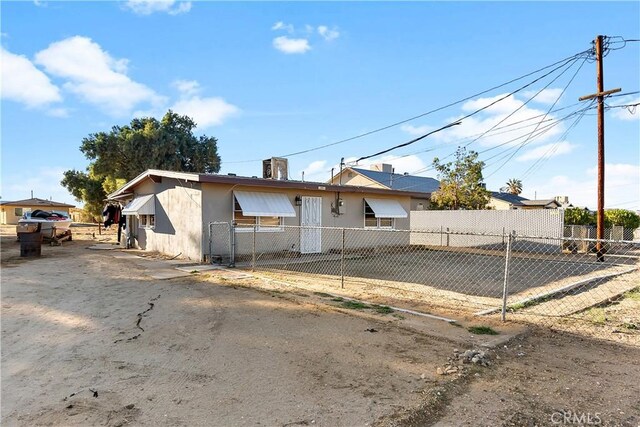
(410, 142)
(488, 106)
(562, 61)
(550, 108)
(540, 132)
(539, 162)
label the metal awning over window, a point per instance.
(264, 204)
(386, 208)
(142, 205)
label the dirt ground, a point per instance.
(91, 339)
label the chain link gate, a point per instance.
(221, 243)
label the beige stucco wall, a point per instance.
(354, 178)
(498, 204)
(183, 213)
(218, 206)
(8, 216)
(178, 221)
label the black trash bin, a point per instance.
(30, 240)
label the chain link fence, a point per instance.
(517, 277)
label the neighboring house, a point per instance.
(503, 201)
(76, 214)
(382, 176)
(11, 212)
(169, 212)
(541, 204)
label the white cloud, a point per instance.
(509, 124)
(23, 82)
(547, 151)
(416, 130)
(328, 34)
(282, 26)
(187, 87)
(291, 46)
(630, 113)
(206, 112)
(622, 184)
(96, 77)
(147, 7)
(506, 105)
(546, 96)
(316, 171)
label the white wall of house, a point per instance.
(178, 219)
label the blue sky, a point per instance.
(269, 79)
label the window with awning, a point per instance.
(141, 205)
(264, 210)
(144, 207)
(381, 213)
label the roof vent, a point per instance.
(231, 174)
(382, 167)
(275, 168)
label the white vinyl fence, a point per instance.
(458, 228)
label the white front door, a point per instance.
(311, 216)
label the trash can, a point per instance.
(30, 240)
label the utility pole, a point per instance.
(600, 94)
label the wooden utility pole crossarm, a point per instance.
(600, 94)
(595, 95)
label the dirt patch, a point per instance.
(538, 381)
(203, 353)
(220, 350)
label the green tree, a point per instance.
(126, 151)
(577, 216)
(514, 186)
(87, 188)
(628, 219)
(461, 184)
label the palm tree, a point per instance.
(514, 186)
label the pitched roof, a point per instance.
(540, 202)
(396, 181)
(37, 202)
(125, 190)
(514, 199)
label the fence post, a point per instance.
(253, 251)
(447, 236)
(210, 243)
(342, 262)
(505, 285)
(232, 244)
(440, 235)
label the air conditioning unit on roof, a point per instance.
(275, 168)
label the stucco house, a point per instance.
(503, 201)
(11, 212)
(382, 175)
(169, 212)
